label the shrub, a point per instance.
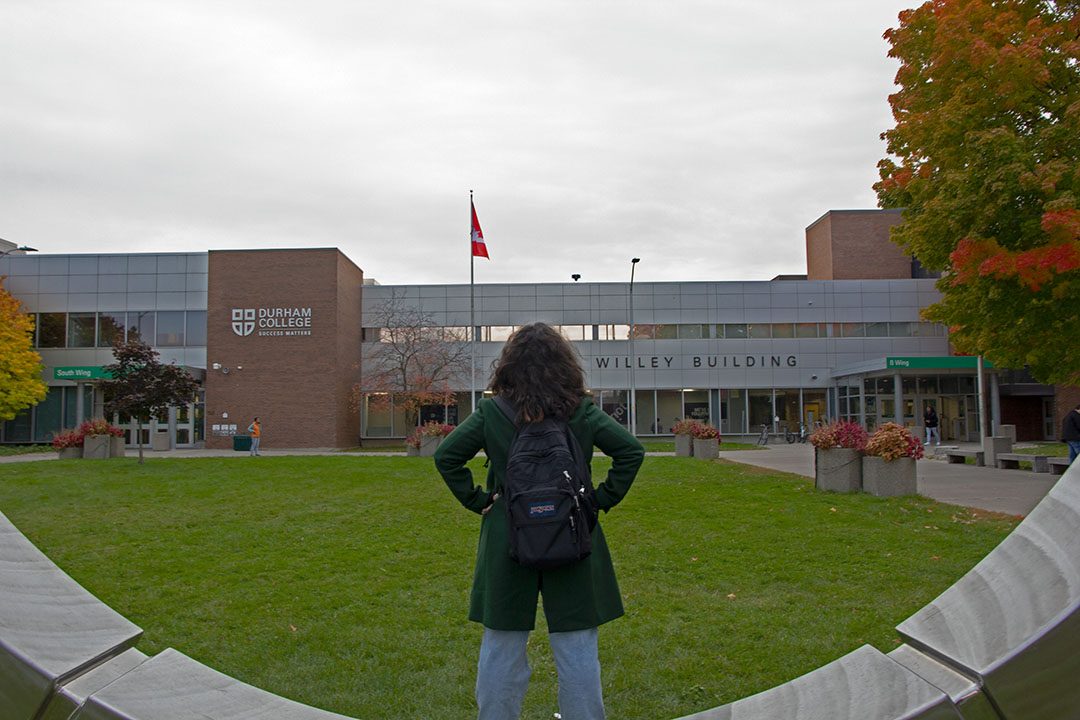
(840, 434)
(704, 431)
(67, 439)
(100, 426)
(684, 427)
(413, 440)
(434, 429)
(892, 441)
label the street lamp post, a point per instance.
(20, 248)
(633, 352)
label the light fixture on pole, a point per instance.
(18, 249)
(576, 276)
(633, 352)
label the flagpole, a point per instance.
(472, 310)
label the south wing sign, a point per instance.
(272, 321)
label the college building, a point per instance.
(286, 334)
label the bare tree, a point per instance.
(413, 361)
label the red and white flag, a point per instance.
(479, 248)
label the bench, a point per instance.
(1058, 465)
(172, 685)
(862, 684)
(959, 456)
(1011, 461)
(51, 628)
(1012, 623)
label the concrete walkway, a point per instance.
(1014, 492)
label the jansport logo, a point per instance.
(541, 510)
(243, 321)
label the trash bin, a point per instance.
(241, 443)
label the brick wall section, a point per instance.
(855, 245)
(296, 384)
(1066, 397)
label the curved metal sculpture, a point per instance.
(1000, 644)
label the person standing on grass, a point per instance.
(255, 428)
(1070, 432)
(540, 375)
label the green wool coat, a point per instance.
(581, 595)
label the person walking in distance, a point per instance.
(255, 429)
(930, 422)
(1070, 432)
(538, 375)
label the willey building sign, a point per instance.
(271, 321)
(698, 361)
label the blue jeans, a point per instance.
(502, 675)
(255, 445)
(1074, 449)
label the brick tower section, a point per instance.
(283, 344)
(1066, 397)
(855, 245)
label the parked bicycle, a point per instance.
(763, 439)
(791, 436)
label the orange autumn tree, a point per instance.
(985, 161)
(20, 366)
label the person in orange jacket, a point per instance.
(255, 428)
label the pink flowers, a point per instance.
(99, 426)
(67, 439)
(434, 429)
(696, 429)
(840, 434)
(892, 441)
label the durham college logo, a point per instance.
(243, 321)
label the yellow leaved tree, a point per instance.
(20, 367)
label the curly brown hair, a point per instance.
(538, 373)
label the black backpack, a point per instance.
(550, 501)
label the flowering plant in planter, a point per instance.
(704, 431)
(892, 441)
(434, 429)
(67, 439)
(839, 434)
(100, 426)
(684, 427)
(413, 440)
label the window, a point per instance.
(52, 330)
(783, 330)
(497, 333)
(81, 330)
(759, 331)
(852, 330)
(878, 329)
(196, 328)
(735, 331)
(575, 332)
(809, 330)
(141, 326)
(693, 332)
(667, 332)
(614, 332)
(110, 328)
(170, 328)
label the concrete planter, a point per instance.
(684, 445)
(838, 470)
(428, 445)
(886, 478)
(71, 453)
(96, 447)
(707, 449)
(159, 441)
(116, 446)
(411, 451)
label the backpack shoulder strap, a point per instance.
(507, 409)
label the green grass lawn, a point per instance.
(24, 449)
(343, 582)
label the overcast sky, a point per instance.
(702, 137)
